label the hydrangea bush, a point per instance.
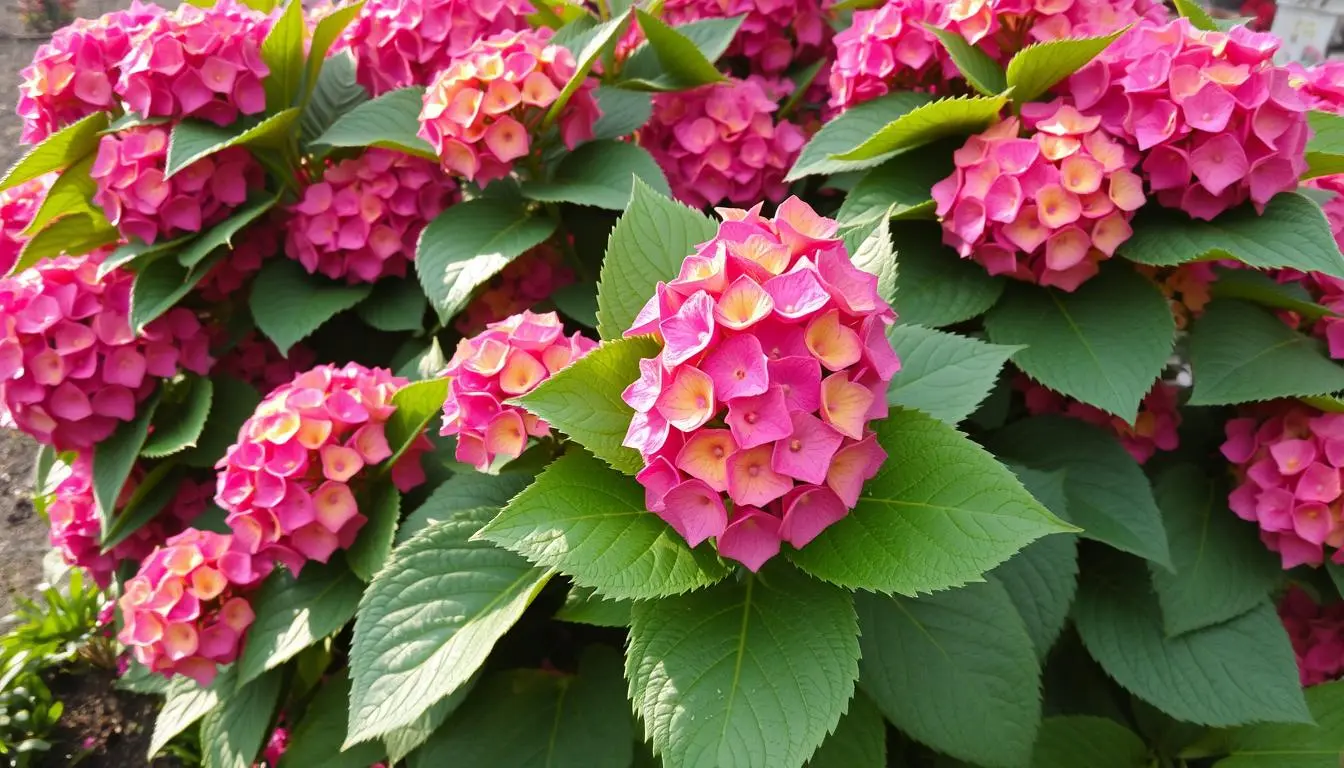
(829, 384)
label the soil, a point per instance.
(100, 727)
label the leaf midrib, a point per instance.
(737, 665)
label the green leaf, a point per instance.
(599, 174)
(1336, 572)
(73, 235)
(1259, 288)
(180, 418)
(114, 457)
(958, 116)
(1108, 495)
(403, 741)
(1222, 569)
(135, 252)
(1327, 132)
(869, 245)
(1104, 344)
(459, 493)
(943, 374)
(71, 193)
(1277, 745)
(967, 654)
(1036, 69)
(327, 31)
(416, 404)
(937, 287)
(1292, 232)
(678, 59)
(282, 51)
(370, 551)
(623, 112)
(396, 304)
(1194, 11)
(185, 704)
(529, 717)
(292, 614)
(429, 620)
(1240, 671)
(316, 740)
(469, 243)
(583, 399)
(1043, 578)
(288, 304)
(849, 130)
(151, 495)
(940, 512)
(700, 666)
(232, 404)
(221, 234)
(390, 121)
(859, 741)
(58, 151)
(899, 188)
(584, 606)
(1321, 164)
(589, 522)
(980, 70)
(578, 302)
(336, 94)
(597, 41)
(1239, 353)
(192, 140)
(1082, 740)
(159, 285)
(232, 734)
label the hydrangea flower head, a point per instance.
(889, 49)
(257, 243)
(129, 172)
(721, 143)
(1286, 458)
(1046, 209)
(775, 34)
(1217, 122)
(398, 43)
(531, 278)
(71, 368)
(362, 220)
(18, 206)
(185, 612)
(197, 62)
(1077, 18)
(511, 358)
(483, 110)
(1317, 633)
(1188, 288)
(1154, 429)
(753, 419)
(290, 482)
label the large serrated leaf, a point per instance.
(599, 174)
(370, 551)
(1084, 740)
(859, 740)
(1239, 353)
(114, 457)
(1038, 68)
(292, 614)
(325, 34)
(959, 116)
(870, 249)
(192, 140)
(185, 703)
(1043, 578)
(316, 739)
(979, 68)
(390, 121)
(288, 304)
(58, 151)
(180, 418)
(1277, 745)
(943, 374)
(899, 188)
(72, 235)
(282, 51)
(850, 129)
(938, 288)
(160, 285)
(233, 732)
(473, 490)
(678, 58)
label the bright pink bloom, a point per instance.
(398, 43)
(483, 111)
(528, 280)
(275, 747)
(131, 189)
(362, 220)
(255, 360)
(250, 248)
(1317, 634)
(18, 206)
(721, 143)
(290, 482)
(889, 49)
(71, 367)
(510, 358)
(1156, 428)
(754, 321)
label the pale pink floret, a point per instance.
(289, 483)
(1317, 633)
(197, 62)
(483, 111)
(141, 203)
(529, 279)
(509, 359)
(186, 611)
(18, 205)
(722, 143)
(398, 43)
(1287, 460)
(753, 419)
(1156, 428)
(71, 367)
(361, 221)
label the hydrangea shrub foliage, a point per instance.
(732, 384)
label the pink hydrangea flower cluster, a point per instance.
(275, 747)
(889, 49)
(1046, 209)
(1288, 479)
(71, 368)
(483, 110)
(1155, 429)
(511, 358)
(1021, 22)
(1317, 633)
(186, 610)
(256, 244)
(71, 77)
(131, 189)
(722, 143)
(775, 34)
(197, 62)
(526, 281)
(18, 206)
(1217, 122)
(1188, 288)
(256, 361)
(361, 222)
(407, 42)
(289, 483)
(775, 358)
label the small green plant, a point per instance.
(57, 627)
(28, 713)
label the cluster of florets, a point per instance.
(1288, 480)
(721, 143)
(18, 206)
(398, 43)
(1156, 428)
(132, 188)
(72, 76)
(1216, 121)
(185, 611)
(1188, 288)
(481, 113)
(256, 360)
(775, 34)
(527, 280)
(1317, 634)
(511, 358)
(275, 748)
(197, 62)
(71, 368)
(290, 482)
(889, 49)
(1044, 21)
(361, 222)
(1323, 84)
(775, 359)
(250, 248)
(1045, 209)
